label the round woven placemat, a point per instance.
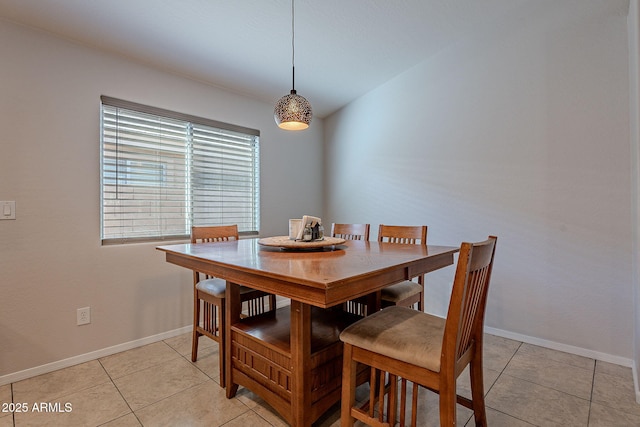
(285, 242)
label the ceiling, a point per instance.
(343, 48)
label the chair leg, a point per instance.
(348, 387)
(448, 400)
(222, 342)
(477, 390)
(196, 321)
(392, 399)
(421, 296)
(414, 405)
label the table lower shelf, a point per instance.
(261, 357)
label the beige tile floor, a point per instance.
(157, 385)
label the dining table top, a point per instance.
(323, 277)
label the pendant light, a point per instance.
(293, 112)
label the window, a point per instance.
(163, 172)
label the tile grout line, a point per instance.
(165, 398)
(593, 384)
(139, 369)
(13, 414)
(494, 383)
(187, 357)
(119, 392)
(503, 369)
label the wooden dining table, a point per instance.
(292, 356)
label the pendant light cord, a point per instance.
(293, 46)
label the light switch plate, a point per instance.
(7, 210)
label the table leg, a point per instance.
(301, 363)
(374, 302)
(232, 315)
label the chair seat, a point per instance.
(400, 291)
(401, 333)
(217, 287)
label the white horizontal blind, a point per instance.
(163, 173)
(224, 178)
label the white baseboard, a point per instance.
(635, 382)
(75, 360)
(597, 355)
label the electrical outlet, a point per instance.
(84, 316)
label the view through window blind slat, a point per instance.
(161, 175)
(223, 175)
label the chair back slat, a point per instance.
(465, 319)
(403, 234)
(211, 234)
(350, 231)
(217, 233)
(406, 235)
(472, 302)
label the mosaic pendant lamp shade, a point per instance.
(293, 112)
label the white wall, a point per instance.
(521, 131)
(51, 259)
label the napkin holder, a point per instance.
(296, 227)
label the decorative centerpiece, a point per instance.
(305, 233)
(307, 229)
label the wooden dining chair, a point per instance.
(353, 232)
(407, 293)
(426, 350)
(350, 231)
(209, 296)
